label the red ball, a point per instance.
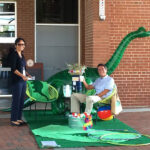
(104, 114)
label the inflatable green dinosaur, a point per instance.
(63, 77)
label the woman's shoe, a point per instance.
(15, 124)
(21, 122)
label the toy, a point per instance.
(109, 118)
(77, 120)
(104, 112)
(88, 122)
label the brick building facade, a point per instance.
(99, 40)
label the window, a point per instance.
(7, 22)
(57, 11)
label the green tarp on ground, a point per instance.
(47, 127)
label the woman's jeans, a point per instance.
(18, 95)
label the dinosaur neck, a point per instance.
(114, 61)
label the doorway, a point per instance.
(56, 34)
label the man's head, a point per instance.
(102, 70)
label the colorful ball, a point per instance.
(104, 114)
(104, 108)
(109, 118)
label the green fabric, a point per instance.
(91, 74)
(114, 61)
(41, 91)
(63, 77)
(47, 127)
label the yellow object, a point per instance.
(109, 118)
(75, 78)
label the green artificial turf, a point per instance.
(48, 127)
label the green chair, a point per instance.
(40, 91)
(103, 102)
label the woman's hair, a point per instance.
(18, 40)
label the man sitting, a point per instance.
(103, 85)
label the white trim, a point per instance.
(35, 59)
(136, 109)
(8, 1)
(7, 40)
(10, 39)
(6, 12)
(79, 56)
(3, 96)
(16, 21)
(50, 24)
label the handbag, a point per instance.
(116, 106)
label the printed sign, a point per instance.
(102, 9)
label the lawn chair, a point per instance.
(103, 102)
(40, 91)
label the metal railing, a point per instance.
(5, 82)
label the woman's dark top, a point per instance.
(17, 63)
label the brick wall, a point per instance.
(132, 76)
(82, 31)
(25, 25)
(88, 32)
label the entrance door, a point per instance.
(56, 34)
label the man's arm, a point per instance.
(103, 93)
(89, 87)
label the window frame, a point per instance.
(54, 23)
(10, 39)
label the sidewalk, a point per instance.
(20, 138)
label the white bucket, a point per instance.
(67, 90)
(75, 122)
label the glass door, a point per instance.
(56, 34)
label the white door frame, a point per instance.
(79, 30)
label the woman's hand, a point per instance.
(29, 76)
(21, 75)
(24, 78)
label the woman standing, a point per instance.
(19, 78)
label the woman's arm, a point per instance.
(21, 75)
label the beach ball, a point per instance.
(108, 107)
(109, 118)
(104, 112)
